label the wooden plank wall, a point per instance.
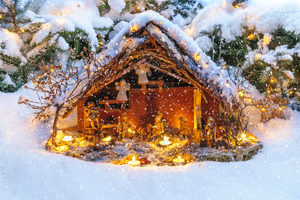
(173, 103)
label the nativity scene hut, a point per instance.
(151, 69)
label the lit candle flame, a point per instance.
(67, 138)
(179, 157)
(166, 138)
(133, 158)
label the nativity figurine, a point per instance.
(124, 127)
(210, 131)
(123, 87)
(185, 129)
(93, 115)
(142, 71)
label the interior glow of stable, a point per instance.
(67, 138)
(107, 139)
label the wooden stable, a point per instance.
(175, 87)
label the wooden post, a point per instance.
(239, 153)
(197, 108)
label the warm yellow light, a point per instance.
(251, 36)
(280, 109)
(236, 6)
(188, 40)
(258, 56)
(165, 142)
(133, 158)
(266, 40)
(220, 75)
(263, 109)
(179, 157)
(227, 84)
(62, 148)
(224, 4)
(124, 37)
(67, 138)
(224, 66)
(74, 81)
(52, 70)
(92, 73)
(0, 16)
(138, 8)
(86, 67)
(107, 139)
(98, 68)
(272, 81)
(197, 57)
(22, 30)
(134, 28)
(160, 22)
(79, 4)
(241, 93)
(101, 43)
(291, 92)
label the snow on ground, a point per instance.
(27, 171)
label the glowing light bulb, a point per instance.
(257, 57)
(160, 22)
(251, 36)
(124, 37)
(197, 57)
(224, 66)
(266, 40)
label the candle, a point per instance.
(165, 142)
(178, 161)
(134, 163)
(67, 138)
(107, 139)
(62, 148)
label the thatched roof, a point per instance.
(152, 39)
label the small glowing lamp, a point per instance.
(280, 108)
(257, 57)
(272, 80)
(224, 66)
(161, 22)
(165, 142)
(107, 139)
(263, 109)
(1, 16)
(241, 93)
(62, 148)
(79, 4)
(67, 138)
(251, 36)
(134, 163)
(291, 92)
(236, 6)
(86, 67)
(178, 161)
(124, 37)
(100, 43)
(134, 28)
(266, 40)
(22, 30)
(197, 57)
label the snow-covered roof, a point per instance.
(182, 49)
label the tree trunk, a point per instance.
(54, 128)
